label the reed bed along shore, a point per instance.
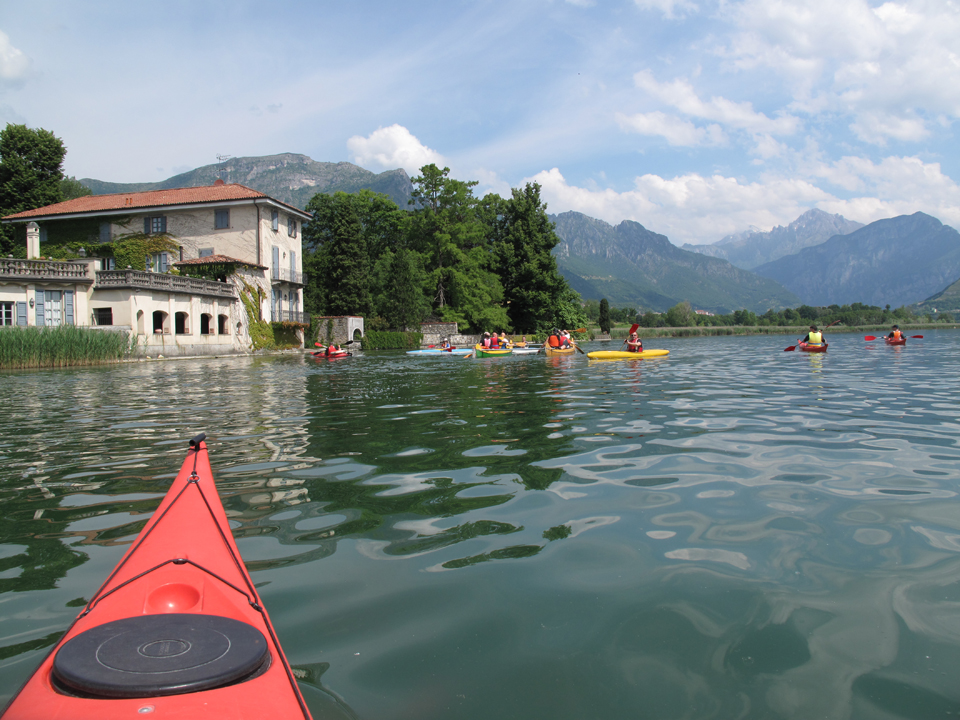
(63, 346)
(619, 333)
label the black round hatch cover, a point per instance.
(151, 655)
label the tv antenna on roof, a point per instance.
(221, 159)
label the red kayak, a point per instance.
(891, 341)
(177, 630)
(332, 356)
(806, 347)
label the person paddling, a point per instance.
(634, 343)
(814, 337)
(895, 333)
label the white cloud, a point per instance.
(680, 94)
(888, 68)
(699, 209)
(894, 186)
(677, 132)
(14, 65)
(670, 9)
(876, 127)
(688, 208)
(393, 147)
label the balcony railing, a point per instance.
(287, 275)
(138, 280)
(47, 270)
(290, 316)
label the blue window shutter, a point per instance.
(293, 265)
(163, 224)
(68, 307)
(21, 313)
(164, 259)
(40, 295)
(146, 226)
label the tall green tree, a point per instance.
(403, 303)
(448, 233)
(31, 168)
(381, 226)
(344, 266)
(523, 241)
(604, 318)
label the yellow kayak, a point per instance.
(618, 355)
(547, 350)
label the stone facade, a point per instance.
(338, 329)
(170, 314)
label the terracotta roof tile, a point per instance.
(93, 204)
(218, 260)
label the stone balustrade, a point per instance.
(44, 270)
(138, 280)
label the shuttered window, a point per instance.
(22, 314)
(275, 220)
(221, 219)
(154, 225)
(6, 313)
(68, 307)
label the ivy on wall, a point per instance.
(132, 250)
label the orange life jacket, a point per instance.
(896, 335)
(553, 341)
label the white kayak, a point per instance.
(439, 351)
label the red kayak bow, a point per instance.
(177, 629)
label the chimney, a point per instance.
(218, 181)
(33, 241)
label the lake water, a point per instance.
(728, 532)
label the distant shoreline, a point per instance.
(619, 333)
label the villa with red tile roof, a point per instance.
(221, 254)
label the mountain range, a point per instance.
(897, 261)
(753, 248)
(819, 259)
(289, 177)
(632, 266)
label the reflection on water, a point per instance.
(730, 531)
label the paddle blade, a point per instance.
(318, 344)
(788, 349)
(580, 330)
(868, 338)
(917, 336)
(633, 328)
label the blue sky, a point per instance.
(695, 118)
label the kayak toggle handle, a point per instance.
(195, 442)
(180, 561)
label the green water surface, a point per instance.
(731, 531)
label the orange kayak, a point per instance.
(177, 629)
(822, 347)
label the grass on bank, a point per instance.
(62, 346)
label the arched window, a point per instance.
(181, 325)
(206, 327)
(160, 322)
(222, 327)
